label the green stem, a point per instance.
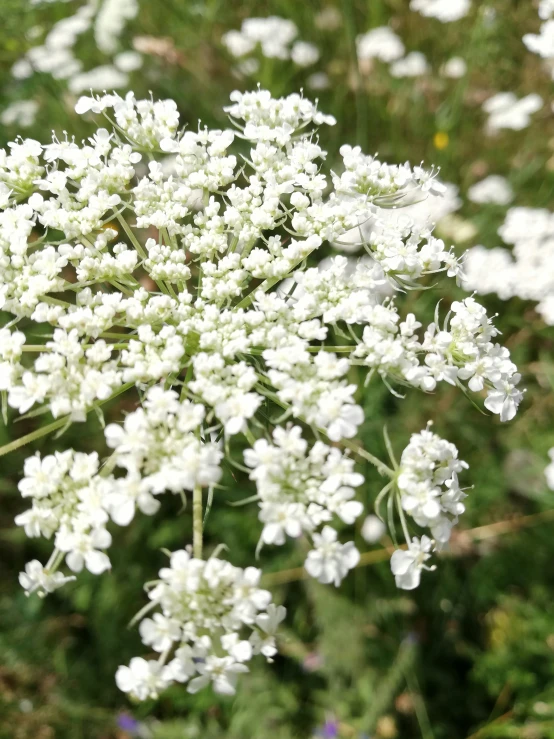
(131, 236)
(382, 468)
(361, 116)
(264, 287)
(33, 436)
(54, 426)
(403, 521)
(197, 531)
(342, 348)
(419, 704)
(249, 436)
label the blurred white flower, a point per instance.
(21, 113)
(373, 529)
(318, 81)
(506, 111)
(454, 68)
(273, 34)
(380, 43)
(128, 61)
(493, 189)
(528, 271)
(304, 54)
(444, 10)
(413, 64)
(105, 77)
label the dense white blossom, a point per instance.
(304, 54)
(213, 618)
(200, 289)
(110, 22)
(428, 483)
(300, 489)
(422, 215)
(329, 561)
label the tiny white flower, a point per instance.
(406, 565)
(37, 578)
(330, 561)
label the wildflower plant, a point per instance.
(184, 266)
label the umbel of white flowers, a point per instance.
(197, 285)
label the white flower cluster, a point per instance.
(542, 43)
(427, 489)
(461, 351)
(198, 288)
(274, 37)
(528, 271)
(506, 111)
(160, 449)
(444, 10)
(70, 501)
(57, 54)
(428, 483)
(159, 446)
(205, 608)
(299, 490)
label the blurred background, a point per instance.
(470, 654)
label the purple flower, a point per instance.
(126, 722)
(330, 729)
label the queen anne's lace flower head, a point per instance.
(200, 288)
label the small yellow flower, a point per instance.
(441, 140)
